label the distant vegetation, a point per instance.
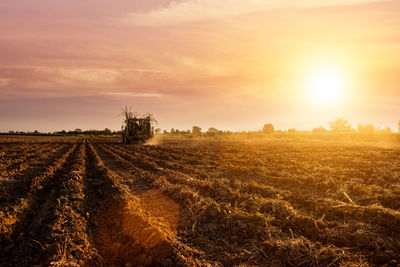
(339, 129)
(76, 132)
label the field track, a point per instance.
(97, 202)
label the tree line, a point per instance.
(76, 132)
(339, 125)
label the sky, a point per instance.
(229, 64)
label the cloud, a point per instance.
(203, 10)
(4, 82)
(39, 80)
(133, 94)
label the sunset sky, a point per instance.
(230, 64)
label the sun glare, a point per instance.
(326, 86)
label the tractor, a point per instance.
(137, 129)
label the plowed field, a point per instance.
(96, 202)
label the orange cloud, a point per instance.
(133, 94)
(203, 10)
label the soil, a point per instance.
(97, 202)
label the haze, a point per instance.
(228, 64)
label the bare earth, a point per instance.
(97, 202)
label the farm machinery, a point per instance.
(137, 129)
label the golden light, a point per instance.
(326, 85)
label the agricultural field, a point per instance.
(96, 202)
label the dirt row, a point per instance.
(91, 202)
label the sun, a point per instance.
(326, 85)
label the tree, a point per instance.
(196, 130)
(157, 130)
(399, 125)
(268, 128)
(212, 131)
(368, 128)
(107, 131)
(319, 130)
(387, 130)
(340, 125)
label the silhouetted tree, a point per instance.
(212, 131)
(157, 130)
(386, 130)
(340, 125)
(368, 128)
(268, 128)
(319, 130)
(196, 130)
